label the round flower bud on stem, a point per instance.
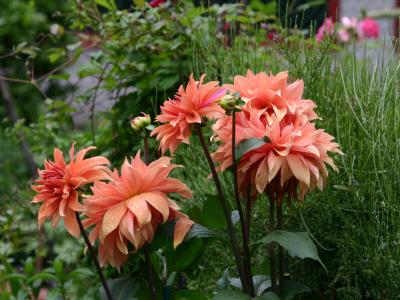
(230, 103)
(140, 122)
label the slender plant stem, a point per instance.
(146, 150)
(245, 238)
(94, 257)
(271, 246)
(279, 218)
(225, 206)
(248, 212)
(150, 275)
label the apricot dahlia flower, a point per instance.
(58, 184)
(272, 97)
(294, 154)
(129, 208)
(191, 105)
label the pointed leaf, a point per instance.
(246, 146)
(109, 4)
(297, 244)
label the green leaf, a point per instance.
(224, 282)
(139, 3)
(267, 296)
(231, 295)
(248, 145)
(297, 244)
(291, 288)
(43, 276)
(59, 268)
(213, 215)
(123, 288)
(168, 81)
(11, 277)
(187, 253)
(189, 295)
(29, 266)
(200, 231)
(109, 4)
(81, 273)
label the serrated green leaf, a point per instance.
(297, 244)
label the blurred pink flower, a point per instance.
(326, 29)
(368, 28)
(348, 29)
(349, 23)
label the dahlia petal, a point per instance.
(159, 202)
(262, 176)
(298, 168)
(112, 219)
(59, 158)
(182, 226)
(127, 227)
(71, 225)
(138, 206)
(73, 202)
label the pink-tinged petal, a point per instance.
(262, 176)
(138, 206)
(71, 225)
(274, 165)
(59, 158)
(73, 202)
(127, 227)
(182, 226)
(81, 154)
(299, 169)
(159, 202)
(63, 206)
(112, 219)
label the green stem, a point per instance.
(271, 246)
(245, 238)
(225, 206)
(94, 257)
(279, 216)
(150, 274)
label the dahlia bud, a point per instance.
(140, 122)
(230, 103)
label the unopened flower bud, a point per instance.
(140, 122)
(230, 103)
